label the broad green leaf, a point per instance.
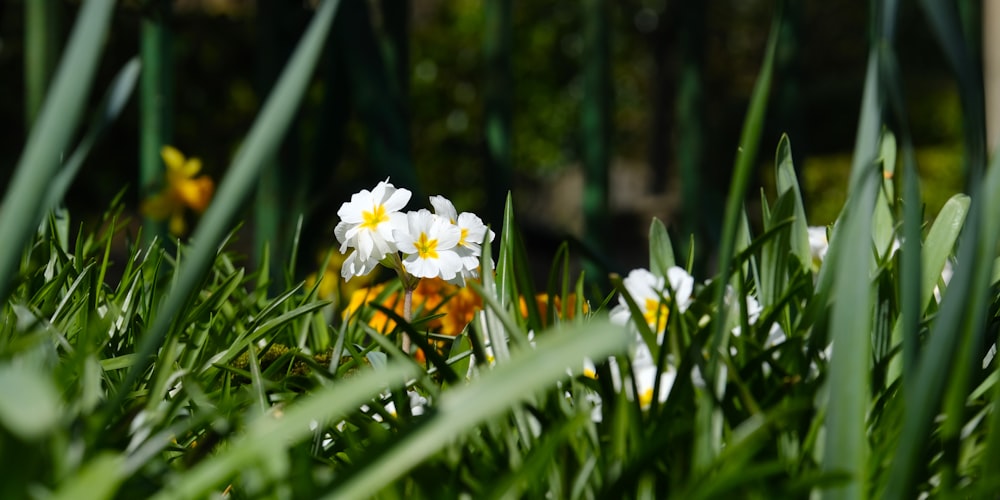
(661, 252)
(940, 243)
(787, 181)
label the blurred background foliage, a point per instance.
(224, 53)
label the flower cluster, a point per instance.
(417, 244)
(183, 188)
(452, 307)
(653, 298)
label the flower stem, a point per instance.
(407, 315)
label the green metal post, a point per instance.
(41, 50)
(155, 104)
(690, 108)
(498, 104)
(279, 201)
(596, 130)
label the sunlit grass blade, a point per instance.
(707, 439)
(99, 478)
(269, 433)
(261, 142)
(21, 210)
(112, 104)
(746, 157)
(786, 180)
(661, 252)
(851, 262)
(461, 409)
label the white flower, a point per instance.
(653, 298)
(473, 233)
(682, 285)
(818, 244)
(645, 380)
(367, 224)
(429, 245)
(775, 335)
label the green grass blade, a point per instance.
(261, 143)
(706, 439)
(462, 409)
(845, 449)
(746, 157)
(99, 478)
(787, 181)
(940, 243)
(114, 101)
(268, 433)
(661, 252)
(22, 204)
(959, 322)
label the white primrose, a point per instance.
(367, 224)
(473, 232)
(429, 243)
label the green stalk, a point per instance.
(49, 138)
(690, 110)
(155, 98)
(498, 102)
(41, 50)
(596, 128)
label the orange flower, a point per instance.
(182, 189)
(461, 308)
(379, 320)
(542, 301)
(433, 296)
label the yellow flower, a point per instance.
(379, 320)
(433, 296)
(182, 189)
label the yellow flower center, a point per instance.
(646, 398)
(370, 220)
(656, 312)
(426, 248)
(461, 240)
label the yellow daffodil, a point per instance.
(182, 189)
